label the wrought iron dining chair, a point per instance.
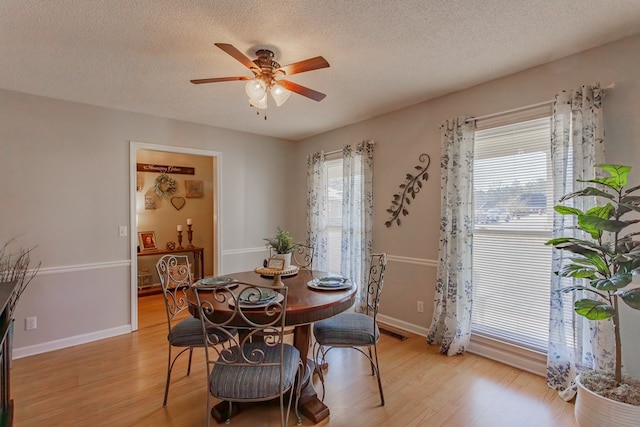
(354, 330)
(303, 256)
(257, 365)
(185, 331)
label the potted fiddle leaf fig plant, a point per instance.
(283, 245)
(606, 260)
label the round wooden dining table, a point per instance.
(304, 306)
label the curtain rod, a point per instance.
(526, 107)
(328, 153)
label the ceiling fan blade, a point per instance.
(219, 79)
(301, 90)
(306, 65)
(239, 56)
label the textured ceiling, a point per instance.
(384, 55)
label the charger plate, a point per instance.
(277, 297)
(330, 283)
(219, 280)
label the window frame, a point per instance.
(529, 359)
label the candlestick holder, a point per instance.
(179, 247)
(190, 236)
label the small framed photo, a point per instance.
(275, 263)
(194, 188)
(147, 241)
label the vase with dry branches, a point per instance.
(15, 267)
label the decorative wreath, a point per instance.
(164, 186)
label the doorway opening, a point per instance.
(167, 208)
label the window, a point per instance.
(334, 214)
(513, 220)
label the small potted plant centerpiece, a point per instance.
(283, 245)
(606, 260)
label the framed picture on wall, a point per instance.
(147, 241)
(194, 188)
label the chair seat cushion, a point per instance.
(232, 381)
(347, 329)
(188, 333)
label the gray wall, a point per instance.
(403, 135)
(66, 186)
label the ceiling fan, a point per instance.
(265, 73)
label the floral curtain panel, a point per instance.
(577, 143)
(317, 209)
(451, 323)
(357, 214)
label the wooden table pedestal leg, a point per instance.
(309, 403)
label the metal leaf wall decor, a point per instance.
(411, 186)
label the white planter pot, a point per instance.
(593, 410)
(285, 257)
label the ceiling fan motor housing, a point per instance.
(266, 64)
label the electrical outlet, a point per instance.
(122, 231)
(31, 323)
(420, 307)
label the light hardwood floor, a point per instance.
(120, 382)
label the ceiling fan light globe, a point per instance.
(256, 89)
(280, 94)
(261, 103)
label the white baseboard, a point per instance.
(509, 354)
(521, 358)
(401, 324)
(69, 342)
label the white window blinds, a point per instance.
(513, 219)
(334, 214)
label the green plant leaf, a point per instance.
(631, 297)
(587, 191)
(577, 271)
(575, 288)
(577, 246)
(558, 240)
(596, 260)
(562, 241)
(632, 189)
(612, 283)
(618, 178)
(595, 225)
(632, 200)
(593, 310)
(614, 182)
(604, 212)
(624, 208)
(567, 210)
